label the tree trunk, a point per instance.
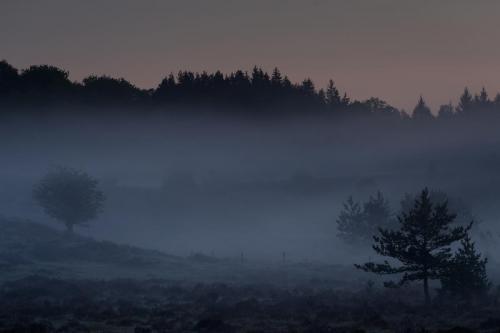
(426, 289)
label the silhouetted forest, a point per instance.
(49, 87)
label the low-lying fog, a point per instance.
(186, 184)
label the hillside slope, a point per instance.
(28, 248)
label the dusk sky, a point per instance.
(392, 49)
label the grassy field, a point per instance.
(55, 282)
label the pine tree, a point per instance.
(496, 101)
(345, 100)
(422, 111)
(351, 222)
(482, 101)
(307, 87)
(483, 97)
(276, 78)
(463, 213)
(357, 224)
(421, 244)
(333, 98)
(259, 77)
(446, 111)
(322, 96)
(377, 213)
(466, 102)
(465, 275)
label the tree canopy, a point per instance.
(465, 274)
(421, 245)
(70, 196)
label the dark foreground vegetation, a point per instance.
(53, 281)
(37, 304)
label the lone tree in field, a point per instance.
(465, 275)
(70, 196)
(421, 244)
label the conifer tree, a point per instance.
(357, 224)
(465, 103)
(345, 100)
(482, 101)
(421, 245)
(483, 97)
(276, 78)
(351, 222)
(465, 275)
(307, 87)
(446, 111)
(378, 213)
(496, 101)
(333, 98)
(422, 111)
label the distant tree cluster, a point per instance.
(50, 87)
(39, 86)
(358, 223)
(255, 90)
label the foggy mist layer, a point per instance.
(185, 184)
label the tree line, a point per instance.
(44, 86)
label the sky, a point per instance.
(393, 49)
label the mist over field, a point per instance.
(200, 182)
